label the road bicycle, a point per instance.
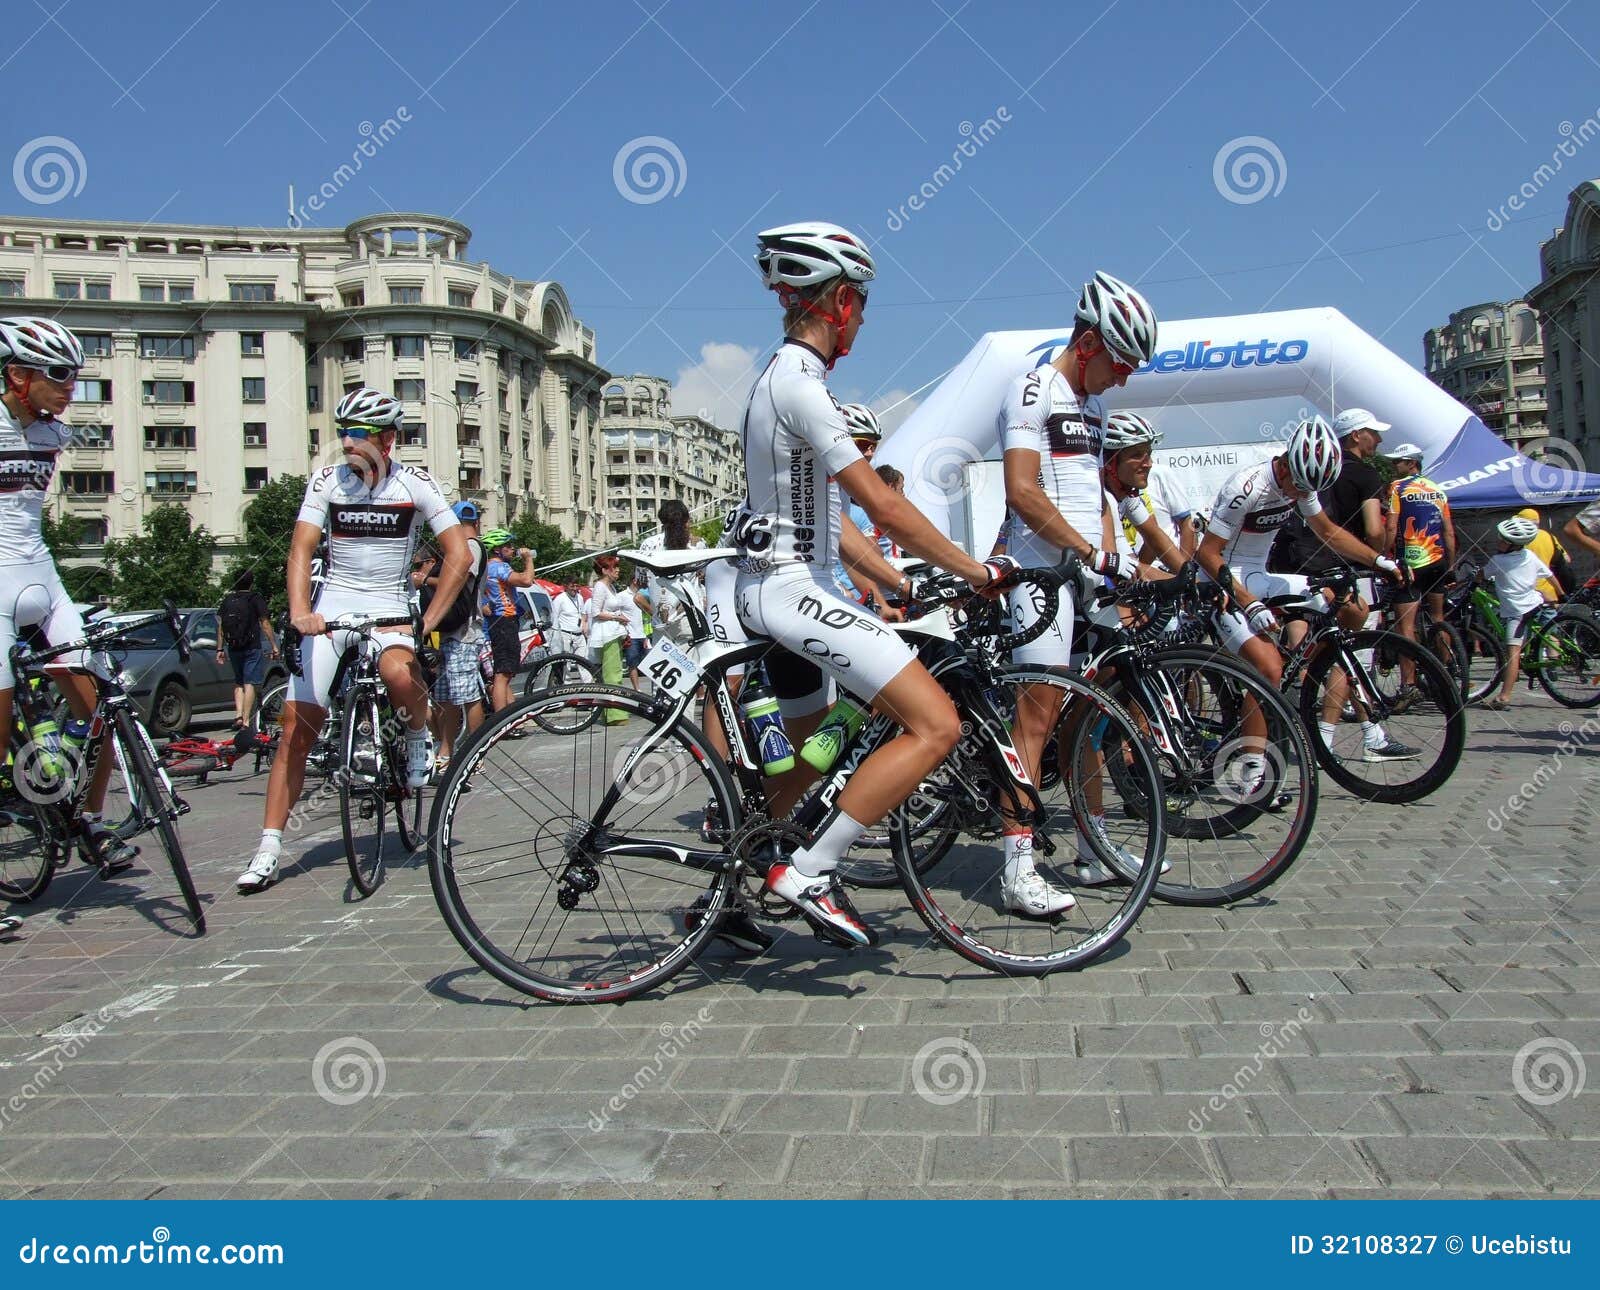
(41, 816)
(369, 762)
(576, 870)
(1353, 678)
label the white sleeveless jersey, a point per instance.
(27, 465)
(1042, 414)
(795, 440)
(372, 532)
(1250, 510)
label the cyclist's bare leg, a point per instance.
(1405, 616)
(930, 727)
(403, 678)
(302, 722)
(81, 696)
(1038, 711)
(711, 718)
(1352, 616)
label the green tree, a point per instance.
(170, 559)
(268, 526)
(549, 545)
(61, 536)
(708, 530)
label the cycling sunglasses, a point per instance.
(60, 373)
(362, 432)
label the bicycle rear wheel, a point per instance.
(363, 788)
(558, 670)
(1568, 655)
(574, 870)
(140, 757)
(1445, 644)
(1432, 726)
(33, 844)
(1239, 776)
(1486, 661)
(962, 899)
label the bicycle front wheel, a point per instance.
(558, 670)
(967, 898)
(932, 821)
(364, 775)
(1568, 657)
(33, 844)
(1378, 744)
(139, 756)
(574, 870)
(1486, 661)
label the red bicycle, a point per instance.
(199, 757)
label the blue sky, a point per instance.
(1394, 125)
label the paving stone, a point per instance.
(913, 1113)
(1447, 1114)
(1448, 1162)
(1148, 1161)
(999, 1160)
(1338, 1114)
(1343, 1074)
(1177, 1114)
(1308, 1162)
(1075, 1075)
(1152, 1040)
(857, 1161)
(1087, 1114)
(734, 1074)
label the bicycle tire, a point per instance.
(558, 670)
(407, 801)
(1576, 631)
(1207, 852)
(934, 824)
(969, 884)
(362, 795)
(515, 775)
(33, 845)
(1437, 689)
(141, 757)
(1487, 667)
(1444, 642)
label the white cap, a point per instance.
(1353, 419)
(1407, 451)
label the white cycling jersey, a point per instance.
(794, 439)
(372, 531)
(1042, 414)
(1249, 511)
(27, 465)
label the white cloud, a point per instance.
(716, 387)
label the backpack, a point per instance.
(238, 621)
(1561, 566)
(465, 606)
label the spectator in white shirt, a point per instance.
(1515, 572)
(568, 629)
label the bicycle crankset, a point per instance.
(757, 847)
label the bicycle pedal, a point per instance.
(179, 805)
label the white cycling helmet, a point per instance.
(1517, 531)
(38, 343)
(1121, 315)
(802, 255)
(862, 422)
(1314, 455)
(1128, 430)
(368, 407)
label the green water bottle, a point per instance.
(837, 729)
(760, 707)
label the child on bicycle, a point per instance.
(1515, 572)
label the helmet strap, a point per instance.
(792, 299)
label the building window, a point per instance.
(180, 292)
(252, 344)
(255, 389)
(252, 292)
(90, 390)
(404, 294)
(13, 287)
(352, 297)
(88, 483)
(461, 297)
(466, 392)
(169, 391)
(313, 397)
(409, 346)
(255, 434)
(150, 292)
(466, 350)
(100, 290)
(255, 478)
(92, 529)
(352, 349)
(350, 387)
(413, 434)
(411, 390)
(82, 289)
(169, 436)
(471, 477)
(315, 437)
(96, 344)
(93, 435)
(68, 289)
(166, 346)
(169, 482)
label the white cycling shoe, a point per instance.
(1091, 873)
(261, 874)
(1032, 896)
(419, 762)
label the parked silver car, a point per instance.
(169, 691)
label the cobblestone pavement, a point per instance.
(1410, 1012)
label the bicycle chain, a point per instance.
(756, 846)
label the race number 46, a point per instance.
(670, 670)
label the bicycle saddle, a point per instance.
(686, 560)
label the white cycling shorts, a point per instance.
(1232, 626)
(826, 638)
(31, 595)
(319, 657)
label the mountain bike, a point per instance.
(1471, 611)
(1563, 651)
(41, 817)
(1238, 774)
(576, 870)
(1353, 678)
(1440, 638)
(370, 755)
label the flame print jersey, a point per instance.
(27, 465)
(1421, 509)
(372, 531)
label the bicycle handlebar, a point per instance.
(949, 589)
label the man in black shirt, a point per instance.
(242, 622)
(1354, 502)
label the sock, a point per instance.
(1326, 729)
(1372, 735)
(271, 842)
(823, 855)
(1019, 854)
